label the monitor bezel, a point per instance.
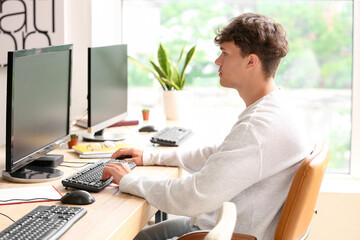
(93, 128)
(10, 164)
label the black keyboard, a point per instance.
(89, 178)
(171, 136)
(44, 222)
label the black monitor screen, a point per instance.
(107, 87)
(37, 103)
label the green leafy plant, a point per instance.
(166, 72)
(74, 136)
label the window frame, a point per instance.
(355, 126)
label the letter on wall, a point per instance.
(26, 24)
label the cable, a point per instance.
(90, 162)
(28, 200)
(70, 166)
(7, 216)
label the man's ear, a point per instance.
(253, 61)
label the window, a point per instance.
(317, 73)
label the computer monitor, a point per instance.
(107, 91)
(37, 112)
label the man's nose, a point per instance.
(218, 61)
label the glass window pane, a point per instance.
(317, 72)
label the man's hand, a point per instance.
(136, 154)
(116, 170)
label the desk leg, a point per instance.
(160, 216)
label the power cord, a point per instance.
(7, 216)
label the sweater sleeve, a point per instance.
(190, 160)
(238, 165)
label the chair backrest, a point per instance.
(301, 201)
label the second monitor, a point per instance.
(107, 91)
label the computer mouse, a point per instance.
(122, 157)
(148, 128)
(78, 197)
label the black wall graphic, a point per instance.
(26, 24)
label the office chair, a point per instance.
(223, 229)
(294, 223)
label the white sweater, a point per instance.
(253, 167)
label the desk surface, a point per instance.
(113, 215)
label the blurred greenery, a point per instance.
(339, 150)
(320, 35)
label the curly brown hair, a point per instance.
(257, 34)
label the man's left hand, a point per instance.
(116, 170)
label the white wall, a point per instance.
(338, 217)
(106, 23)
(78, 32)
(88, 24)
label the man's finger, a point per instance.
(122, 151)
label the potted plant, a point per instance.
(172, 80)
(74, 138)
(145, 113)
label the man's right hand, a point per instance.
(136, 154)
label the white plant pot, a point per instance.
(177, 104)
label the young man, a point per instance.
(253, 166)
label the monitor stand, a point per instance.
(41, 170)
(101, 136)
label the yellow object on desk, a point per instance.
(99, 148)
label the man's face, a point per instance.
(231, 65)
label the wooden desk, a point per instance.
(113, 215)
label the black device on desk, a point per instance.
(89, 178)
(107, 91)
(37, 112)
(148, 128)
(78, 197)
(171, 136)
(44, 222)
